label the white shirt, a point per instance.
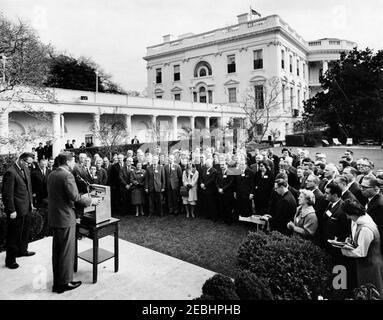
(366, 236)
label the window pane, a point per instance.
(259, 103)
(283, 59)
(210, 94)
(231, 63)
(232, 95)
(177, 96)
(258, 59)
(177, 73)
(202, 72)
(158, 76)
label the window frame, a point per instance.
(158, 75)
(232, 90)
(259, 105)
(231, 65)
(258, 63)
(176, 74)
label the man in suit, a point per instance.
(134, 140)
(126, 184)
(225, 187)
(173, 182)
(48, 151)
(62, 196)
(206, 181)
(275, 159)
(114, 182)
(40, 152)
(285, 208)
(370, 190)
(101, 172)
(365, 167)
(68, 145)
(81, 174)
(312, 183)
(335, 222)
(329, 173)
(353, 186)
(39, 182)
(341, 181)
(155, 186)
(18, 204)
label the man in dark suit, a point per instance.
(62, 196)
(155, 186)
(225, 187)
(341, 181)
(68, 145)
(40, 152)
(275, 159)
(18, 204)
(101, 172)
(206, 181)
(125, 185)
(312, 183)
(48, 151)
(134, 140)
(81, 174)
(335, 222)
(285, 208)
(370, 190)
(39, 178)
(353, 186)
(173, 182)
(114, 182)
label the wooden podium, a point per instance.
(97, 255)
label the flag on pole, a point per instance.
(253, 12)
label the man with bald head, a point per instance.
(329, 173)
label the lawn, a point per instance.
(208, 244)
(334, 153)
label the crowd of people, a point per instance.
(295, 193)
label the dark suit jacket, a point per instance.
(102, 176)
(124, 177)
(114, 176)
(173, 178)
(335, 226)
(155, 181)
(40, 153)
(79, 171)
(17, 191)
(323, 184)
(208, 178)
(68, 146)
(285, 210)
(134, 141)
(355, 190)
(62, 197)
(375, 210)
(48, 151)
(225, 182)
(348, 195)
(39, 184)
(244, 185)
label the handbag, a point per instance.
(184, 191)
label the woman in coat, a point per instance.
(305, 220)
(190, 180)
(263, 184)
(365, 246)
(137, 177)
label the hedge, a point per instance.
(295, 268)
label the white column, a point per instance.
(128, 126)
(175, 128)
(324, 66)
(207, 123)
(96, 126)
(57, 143)
(4, 132)
(192, 122)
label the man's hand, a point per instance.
(13, 215)
(96, 201)
(220, 190)
(146, 190)
(290, 225)
(127, 186)
(235, 195)
(162, 190)
(251, 196)
(202, 186)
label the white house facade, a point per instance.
(222, 65)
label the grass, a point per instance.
(208, 244)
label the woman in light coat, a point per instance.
(190, 180)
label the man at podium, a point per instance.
(62, 197)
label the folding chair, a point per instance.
(349, 142)
(325, 143)
(336, 142)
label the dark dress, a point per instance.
(263, 186)
(137, 178)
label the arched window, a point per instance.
(202, 69)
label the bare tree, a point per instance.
(261, 105)
(111, 132)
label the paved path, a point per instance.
(143, 274)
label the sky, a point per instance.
(116, 33)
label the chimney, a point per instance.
(242, 18)
(167, 38)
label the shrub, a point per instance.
(250, 287)
(295, 140)
(296, 268)
(219, 287)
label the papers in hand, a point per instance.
(342, 245)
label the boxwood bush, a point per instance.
(296, 268)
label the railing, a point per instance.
(334, 43)
(315, 43)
